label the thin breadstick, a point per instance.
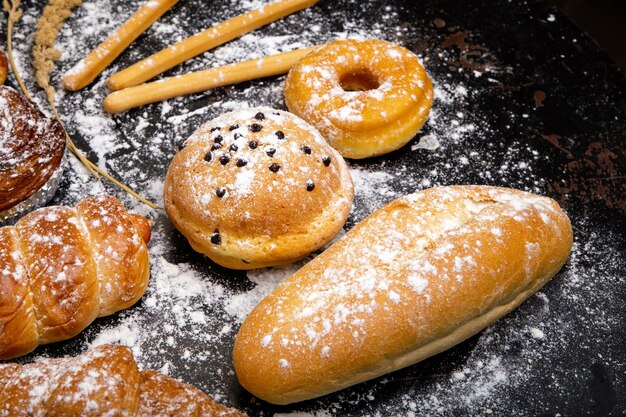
(198, 81)
(88, 68)
(201, 42)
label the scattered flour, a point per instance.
(186, 322)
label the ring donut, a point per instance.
(366, 97)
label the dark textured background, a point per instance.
(575, 97)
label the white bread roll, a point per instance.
(416, 277)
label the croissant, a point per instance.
(103, 381)
(62, 267)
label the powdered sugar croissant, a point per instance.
(103, 381)
(62, 267)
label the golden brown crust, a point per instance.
(62, 273)
(104, 381)
(120, 251)
(142, 225)
(65, 267)
(366, 97)
(4, 67)
(264, 181)
(165, 396)
(17, 316)
(32, 148)
(416, 277)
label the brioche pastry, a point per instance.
(256, 188)
(416, 277)
(32, 148)
(104, 381)
(366, 97)
(62, 267)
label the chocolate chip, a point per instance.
(216, 146)
(234, 147)
(218, 139)
(276, 113)
(274, 167)
(326, 160)
(208, 157)
(216, 239)
(221, 192)
(233, 127)
(241, 162)
(224, 159)
(181, 145)
(253, 144)
(259, 116)
(279, 134)
(255, 127)
(270, 151)
(310, 185)
(237, 135)
(213, 129)
(306, 149)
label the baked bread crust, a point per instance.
(104, 381)
(257, 187)
(63, 267)
(31, 148)
(416, 277)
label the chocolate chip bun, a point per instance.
(257, 187)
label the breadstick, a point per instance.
(195, 82)
(201, 42)
(104, 381)
(88, 68)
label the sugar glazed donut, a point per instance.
(366, 97)
(256, 188)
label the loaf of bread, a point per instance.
(105, 381)
(62, 267)
(416, 277)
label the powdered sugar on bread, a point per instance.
(455, 260)
(257, 187)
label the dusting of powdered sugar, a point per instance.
(185, 323)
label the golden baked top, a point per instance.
(62, 267)
(31, 148)
(415, 277)
(357, 85)
(256, 172)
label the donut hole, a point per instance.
(360, 80)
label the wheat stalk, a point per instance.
(44, 55)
